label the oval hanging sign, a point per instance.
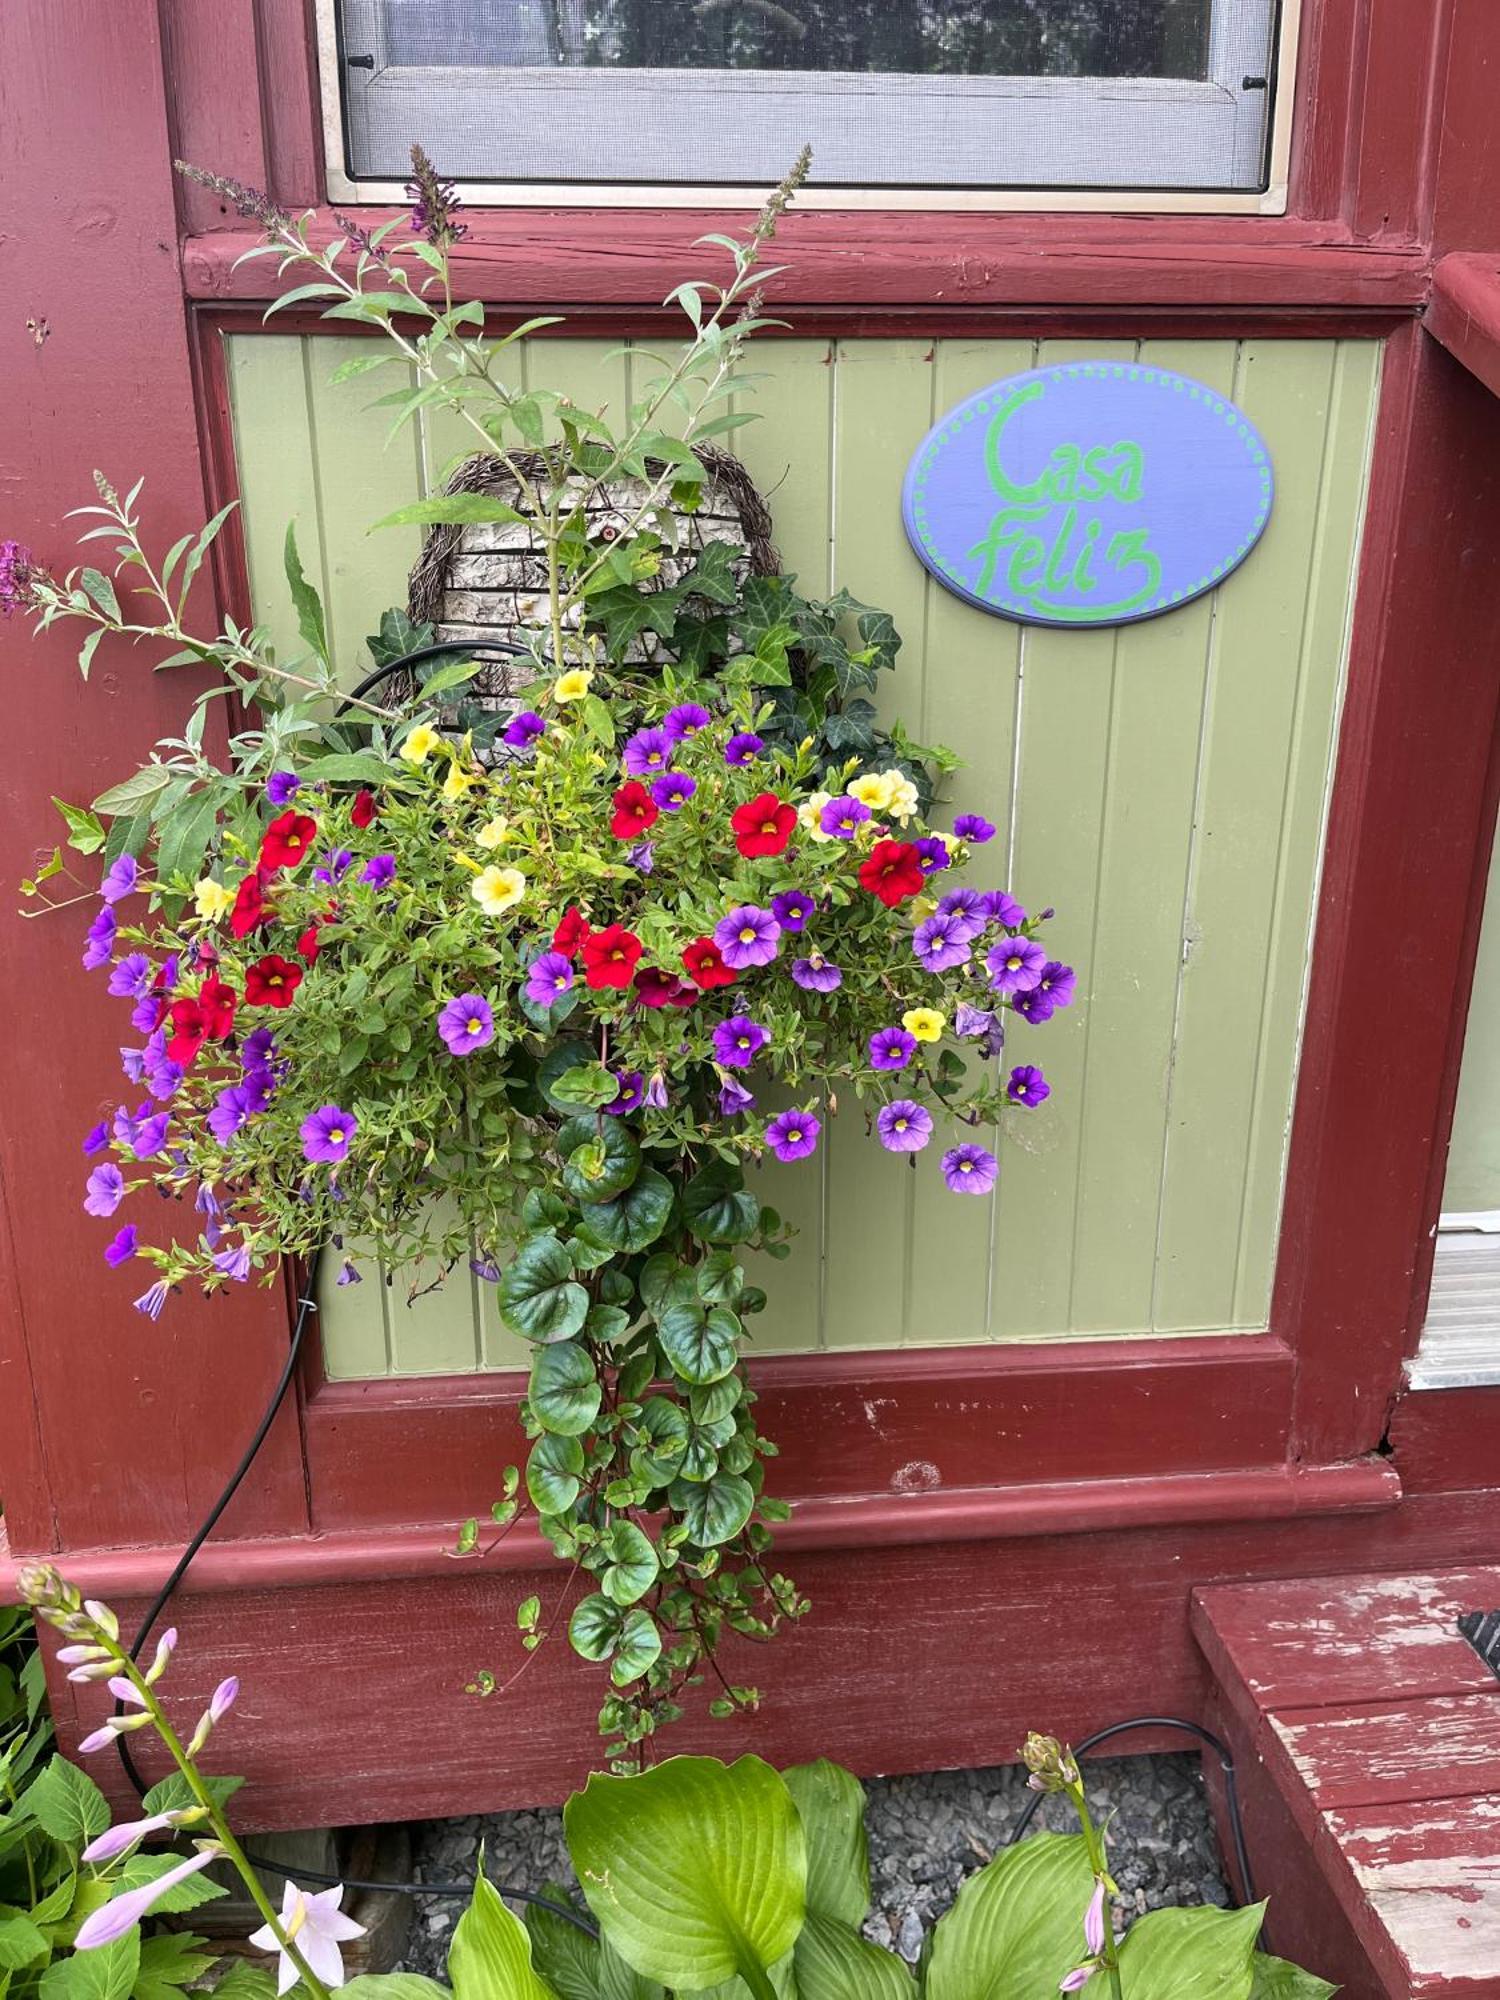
(1089, 493)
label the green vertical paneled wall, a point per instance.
(1473, 1180)
(1163, 785)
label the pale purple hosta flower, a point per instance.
(117, 1840)
(166, 1645)
(124, 1912)
(317, 1927)
(220, 1702)
(1077, 1979)
(124, 1689)
(105, 1734)
(1093, 1921)
(1016, 965)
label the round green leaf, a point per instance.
(665, 1425)
(604, 1164)
(637, 1648)
(720, 1279)
(554, 1472)
(606, 1323)
(700, 1461)
(702, 1347)
(656, 1275)
(595, 1626)
(542, 1210)
(589, 1084)
(565, 1393)
(716, 1207)
(538, 1294)
(714, 1513)
(615, 1289)
(557, 1062)
(632, 1220)
(633, 1567)
(710, 1402)
(695, 1870)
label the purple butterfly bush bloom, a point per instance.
(672, 790)
(233, 1262)
(792, 908)
(120, 878)
(282, 787)
(940, 944)
(686, 719)
(733, 1098)
(817, 974)
(641, 856)
(101, 940)
(131, 978)
(379, 871)
(334, 866)
(466, 1023)
(121, 1247)
(1000, 908)
(738, 1041)
(105, 1190)
(627, 1098)
(1016, 965)
(843, 817)
(96, 1139)
(743, 748)
(904, 1127)
(970, 1169)
(747, 936)
(647, 751)
(548, 978)
(793, 1135)
(933, 850)
(326, 1135)
(150, 1303)
(891, 1048)
(1027, 1086)
(522, 730)
(973, 827)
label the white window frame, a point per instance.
(1029, 111)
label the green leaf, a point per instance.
(455, 674)
(637, 1649)
(833, 1962)
(716, 1207)
(565, 1393)
(606, 1323)
(720, 1279)
(830, 1802)
(591, 1084)
(490, 1958)
(309, 607)
(133, 791)
(20, 1943)
(565, 1956)
(85, 834)
(106, 1973)
(68, 1804)
(656, 1277)
(695, 1870)
(1183, 1954)
(183, 836)
(168, 1963)
(715, 1510)
(665, 1425)
(189, 1894)
(173, 1794)
(98, 586)
(1278, 1979)
(554, 1473)
(455, 507)
(702, 1347)
(253, 1982)
(354, 767)
(1017, 1927)
(369, 1986)
(633, 1567)
(542, 1210)
(539, 1295)
(632, 1220)
(607, 1161)
(594, 1627)
(556, 1063)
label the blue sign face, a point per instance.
(1089, 493)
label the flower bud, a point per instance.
(98, 1670)
(1052, 1768)
(165, 1646)
(126, 1691)
(72, 1656)
(102, 1616)
(45, 1589)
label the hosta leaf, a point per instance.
(632, 1220)
(1278, 1979)
(490, 1958)
(369, 1986)
(539, 1295)
(1183, 1954)
(633, 1567)
(702, 1347)
(565, 1956)
(1016, 1929)
(554, 1472)
(833, 1962)
(605, 1164)
(565, 1393)
(831, 1804)
(715, 1512)
(716, 1206)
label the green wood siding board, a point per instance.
(1473, 1177)
(1163, 786)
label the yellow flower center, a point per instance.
(474, 1025)
(966, 1166)
(336, 1136)
(747, 936)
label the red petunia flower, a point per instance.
(272, 981)
(764, 826)
(892, 871)
(610, 957)
(189, 1031)
(363, 809)
(250, 906)
(308, 945)
(287, 840)
(217, 1002)
(572, 931)
(655, 988)
(635, 811)
(705, 965)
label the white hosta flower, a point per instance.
(316, 1925)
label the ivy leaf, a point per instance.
(397, 636)
(554, 1472)
(715, 1511)
(716, 1206)
(309, 607)
(538, 1294)
(565, 1393)
(713, 574)
(633, 1566)
(702, 1347)
(633, 1220)
(85, 834)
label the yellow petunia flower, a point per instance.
(872, 790)
(458, 781)
(810, 815)
(493, 833)
(497, 890)
(903, 797)
(420, 744)
(925, 1023)
(573, 685)
(211, 899)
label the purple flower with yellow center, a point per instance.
(743, 748)
(101, 940)
(817, 974)
(96, 1139)
(940, 945)
(843, 817)
(466, 1023)
(891, 1048)
(733, 1098)
(970, 1169)
(1059, 983)
(672, 790)
(641, 856)
(131, 978)
(1016, 965)
(904, 1127)
(974, 828)
(738, 1041)
(105, 1190)
(747, 936)
(964, 911)
(792, 908)
(282, 787)
(1034, 1006)
(233, 1262)
(231, 1110)
(259, 1086)
(379, 871)
(120, 878)
(793, 1135)
(143, 1014)
(151, 1135)
(163, 1076)
(150, 1303)
(121, 1247)
(1003, 909)
(933, 850)
(258, 1050)
(685, 720)
(327, 1135)
(548, 978)
(333, 867)
(522, 730)
(630, 1091)
(647, 751)
(1026, 1085)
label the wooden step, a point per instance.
(1376, 1724)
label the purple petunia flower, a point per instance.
(348, 1275)
(231, 1109)
(656, 1092)
(131, 978)
(258, 1050)
(933, 850)
(970, 1169)
(792, 1135)
(972, 1022)
(747, 936)
(1016, 965)
(485, 1267)
(733, 1098)
(1027, 1086)
(333, 867)
(973, 827)
(1034, 1006)
(673, 789)
(641, 855)
(817, 974)
(163, 1076)
(379, 871)
(792, 908)
(904, 1127)
(632, 1089)
(144, 1014)
(258, 1086)
(327, 1134)
(743, 748)
(206, 1201)
(466, 1023)
(522, 730)
(233, 1262)
(106, 1190)
(891, 1048)
(1058, 982)
(125, 1123)
(940, 944)
(282, 787)
(101, 940)
(133, 1065)
(120, 878)
(121, 1247)
(150, 1303)
(967, 917)
(548, 978)
(96, 1139)
(686, 719)
(738, 1041)
(647, 751)
(151, 1135)
(1000, 908)
(843, 817)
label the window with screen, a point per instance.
(961, 95)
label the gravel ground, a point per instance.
(926, 1834)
